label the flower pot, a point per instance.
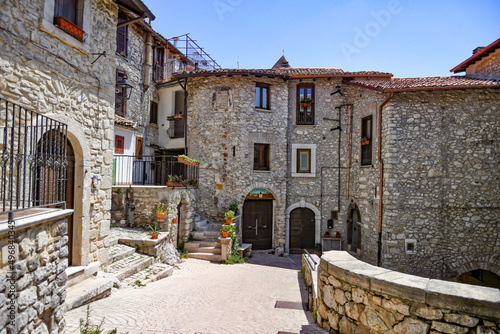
(178, 116)
(169, 184)
(154, 235)
(365, 142)
(179, 159)
(160, 216)
(177, 184)
(69, 27)
(225, 234)
(229, 221)
(175, 221)
(305, 105)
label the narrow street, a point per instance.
(205, 297)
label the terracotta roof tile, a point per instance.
(423, 83)
(124, 122)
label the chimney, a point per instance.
(476, 50)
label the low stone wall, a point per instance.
(355, 297)
(33, 271)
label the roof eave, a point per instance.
(476, 57)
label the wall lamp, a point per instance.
(125, 84)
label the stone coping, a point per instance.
(478, 300)
(35, 219)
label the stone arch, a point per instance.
(469, 263)
(258, 185)
(353, 207)
(317, 215)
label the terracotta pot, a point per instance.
(154, 235)
(160, 216)
(225, 234)
(179, 159)
(305, 105)
(229, 221)
(174, 221)
(69, 27)
(169, 184)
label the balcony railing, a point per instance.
(33, 159)
(153, 170)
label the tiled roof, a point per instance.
(423, 83)
(124, 122)
(478, 55)
(289, 73)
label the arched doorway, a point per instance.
(258, 219)
(302, 230)
(480, 277)
(50, 144)
(353, 228)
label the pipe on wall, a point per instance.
(381, 182)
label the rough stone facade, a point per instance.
(488, 67)
(37, 277)
(45, 69)
(135, 206)
(355, 297)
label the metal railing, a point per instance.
(310, 259)
(33, 159)
(153, 170)
(305, 116)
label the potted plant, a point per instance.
(181, 158)
(227, 231)
(229, 216)
(306, 102)
(234, 207)
(161, 211)
(154, 231)
(177, 181)
(365, 140)
(175, 221)
(317, 249)
(170, 180)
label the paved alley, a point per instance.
(203, 297)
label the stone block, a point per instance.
(411, 326)
(372, 319)
(42, 239)
(355, 272)
(472, 299)
(394, 283)
(27, 298)
(429, 313)
(461, 319)
(340, 296)
(9, 253)
(448, 328)
(485, 330)
(353, 310)
(333, 320)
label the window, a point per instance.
(153, 113)
(411, 246)
(122, 38)
(138, 147)
(303, 160)
(366, 141)
(261, 156)
(262, 96)
(67, 9)
(121, 95)
(119, 144)
(305, 112)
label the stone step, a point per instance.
(205, 256)
(129, 265)
(79, 273)
(89, 290)
(202, 247)
(204, 235)
(119, 251)
(150, 274)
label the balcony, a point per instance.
(153, 170)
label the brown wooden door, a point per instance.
(302, 230)
(258, 223)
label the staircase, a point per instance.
(206, 245)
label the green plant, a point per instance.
(181, 246)
(317, 247)
(117, 190)
(154, 229)
(233, 207)
(138, 283)
(307, 100)
(170, 178)
(185, 254)
(87, 328)
(235, 256)
(229, 228)
(160, 208)
(229, 214)
(115, 285)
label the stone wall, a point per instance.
(355, 297)
(36, 274)
(223, 127)
(135, 206)
(45, 69)
(488, 67)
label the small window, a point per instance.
(262, 96)
(67, 9)
(303, 161)
(120, 95)
(411, 246)
(305, 104)
(138, 147)
(261, 157)
(119, 144)
(122, 38)
(366, 141)
(153, 113)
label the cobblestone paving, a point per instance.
(209, 298)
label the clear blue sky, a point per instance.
(407, 37)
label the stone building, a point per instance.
(422, 200)
(57, 91)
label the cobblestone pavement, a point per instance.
(208, 298)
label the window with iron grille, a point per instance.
(261, 156)
(262, 95)
(366, 141)
(305, 111)
(120, 95)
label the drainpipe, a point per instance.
(348, 147)
(379, 256)
(184, 87)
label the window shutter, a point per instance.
(119, 144)
(121, 38)
(120, 103)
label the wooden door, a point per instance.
(302, 230)
(258, 223)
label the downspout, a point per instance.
(348, 147)
(381, 183)
(184, 87)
